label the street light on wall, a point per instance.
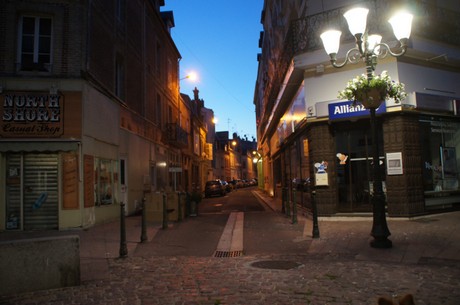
(257, 157)
(191, 76)
(369, 48)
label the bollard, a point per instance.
(123, 249)
(288, 203)
(187, 204)
(179, 207)
(315, 231)
(294, 207)
(144, 222)
(165, 213)
(283, 201)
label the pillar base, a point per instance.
(381, 243)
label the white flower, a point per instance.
(361, 85)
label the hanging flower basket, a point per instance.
(371, 93)
(371, 98)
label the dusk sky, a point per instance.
(218, 39)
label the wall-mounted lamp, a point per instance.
(191, 76)
(161, 164)
(257, 157)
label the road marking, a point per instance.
(231, 240)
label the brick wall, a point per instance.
(321, 147)
(404, 192)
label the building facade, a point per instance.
(304, 129)
(234, 157)
(91, 111)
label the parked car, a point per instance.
(228, 186)
(237, 183)
(214, 188)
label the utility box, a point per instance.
(175, 206)
(154, 207)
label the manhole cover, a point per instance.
(281, 265)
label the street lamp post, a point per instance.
(369, 48)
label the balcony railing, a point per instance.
(175, 135)
(430, 21)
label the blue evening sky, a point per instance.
(219, 40)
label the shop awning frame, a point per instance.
(38, 146)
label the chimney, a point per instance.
(195, 94)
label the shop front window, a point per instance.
(106, 181)
(440, 154)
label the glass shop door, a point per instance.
(355, 168)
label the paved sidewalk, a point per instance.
(101, 243)
(434, 237)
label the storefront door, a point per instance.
(31, 191)
(354, 189)
(354, 169)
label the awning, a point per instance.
(42, 146)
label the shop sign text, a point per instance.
(346, 109)
(31, 115)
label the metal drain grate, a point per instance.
(228, 253)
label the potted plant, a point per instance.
(372, 92)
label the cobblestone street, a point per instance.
(317, 280)
(281, 263)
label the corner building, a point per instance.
(303, 127)
(89, 100)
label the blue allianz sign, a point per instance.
(343, 110)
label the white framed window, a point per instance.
(35, 40)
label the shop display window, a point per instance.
(106, 181)
(440, 154)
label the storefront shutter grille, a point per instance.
(40, 191)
